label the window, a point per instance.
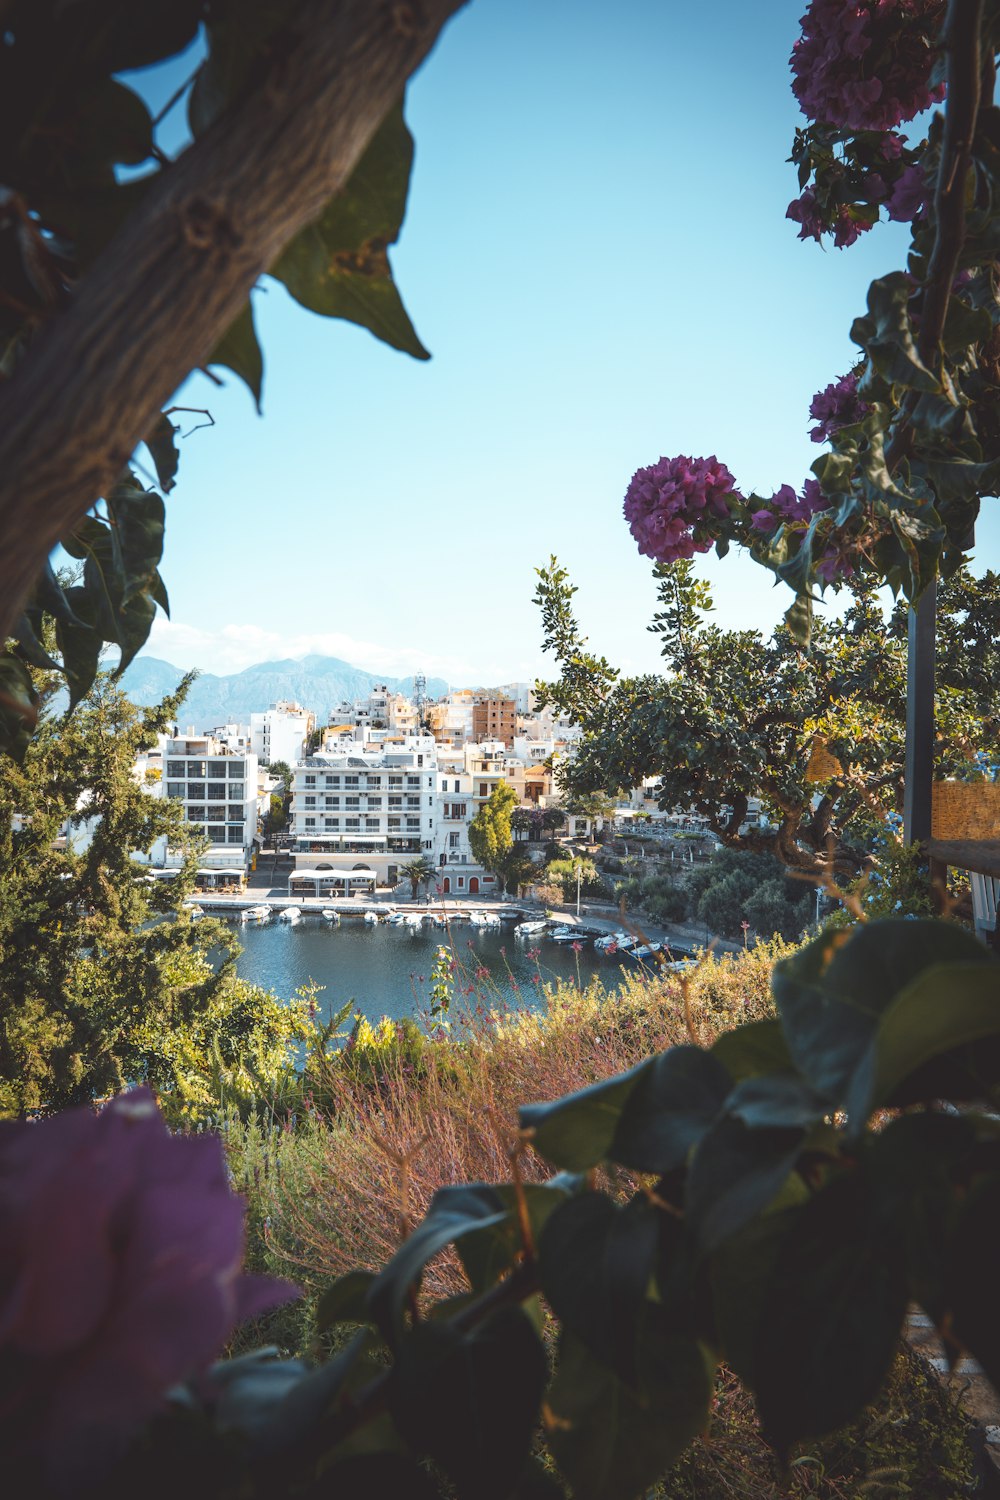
(413, 801)
(484, 790)
(333, 781)
(309, 801)
(453, 840)
(196, 814)
(375, 781)
(352, 822)
(413, 822)
(461, 882)
(234, 835)
(375, 802)
(175, 789)
(237, 769)
(176, 768)
(413, 781)
(352, 801)
(395, 801)
(310, 822)
(395, 781)
(235, 813)
(331, 822)
(395, 822)
(216, 835)
(310, 781)
(217, 769)
(196, 790)
(196, 768)
(236, 789)
(215, 814)
(216, 793)
(351, 781)
(332, 802)
(372, 824)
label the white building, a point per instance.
(281, 732)
(361, 812)
(217, 790)
(458, 872)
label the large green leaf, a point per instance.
(576, 1132)
(19, 704)
(668, 1110)
(471, 1401)
(972, 1287)
(345, 1300)
(758, 1047)
(831, 1317)
(453, 1212)
(612, 1442)
(831, 994)
(338, 265)
(736, 1171)
(886, 334)
(596, 1263)
(489, 1253)
(740, 1271)
(946, 1007)
(238, 350)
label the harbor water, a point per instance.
(386, 970)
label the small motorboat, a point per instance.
(330, 914)
(613, 941)
(646, 950)
(260, 913)
(566, 935)
(527, 929)
(372, 917)
(290, 914)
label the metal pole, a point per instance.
(579, 877)
(920, 717)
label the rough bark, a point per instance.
(171, 282)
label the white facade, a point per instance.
(458, 873)
(217, 790)
(357, 809)
(280, 732)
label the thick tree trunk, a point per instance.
(169, 285)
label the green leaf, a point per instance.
(736, 1172)
(596, 1261)
(798, 618)
(668, 1110)
(831, 1318)
(487, 1254)
(28, 646)
(576, 1131)
(471, 1401)
(345, 1301)
(366, 1476)
(971, 1276)
(273, 1429)
(338, 265)
(776, 1099)
(947, 1006)
(832, 993)
(162, 445)
(137, 526)
(453, 1212)
(918, 1166)
(887, 336)
(19, 704)
(80, 646)
(238, 350)
(611, 1442)
(758, 1047)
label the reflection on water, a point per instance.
(386, 971)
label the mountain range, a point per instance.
(317, 682)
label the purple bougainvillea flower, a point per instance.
(867, 65)
(121, 1248)
(673, 507)
(837, 405)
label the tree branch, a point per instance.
(168, 286)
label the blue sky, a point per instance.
(596, 254)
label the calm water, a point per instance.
(386, 971)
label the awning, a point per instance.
(229, 874)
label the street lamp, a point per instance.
(579, 878)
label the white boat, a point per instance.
(290, 914)
(490, 919)
(396, 918)
(371, 916)
(613, 941)
(414, 919)
(260, 913)
(646, 950)
(330, 915)
(526, 929)
(566, 935)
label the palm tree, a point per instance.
(419, 871)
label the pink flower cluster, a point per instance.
(866, 65)
(670, 505)
(784, 505)
(806, 211)
(121, 1247)
(838, 405)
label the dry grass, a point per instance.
(401, 1118)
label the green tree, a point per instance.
(105, 980)
(565, 873)
(518, 870)
(740, 717)
(418, 872)
(285, 775)
(491, 837)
